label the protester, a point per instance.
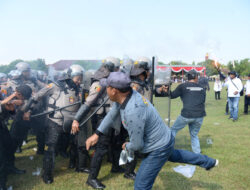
(217, 88)
(234, 87)
(193, 96)
(247, 95)
(147, 132)
(7, 149)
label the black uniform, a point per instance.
(19, 128)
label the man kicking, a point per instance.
(147, 132)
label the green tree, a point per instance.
(38, 64)
(210, 69)
(178, 63)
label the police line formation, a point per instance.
(64, 109)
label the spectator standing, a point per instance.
(217, 88)
(234, 86)
(247, 95)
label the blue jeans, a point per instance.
(194, 125)
(233, 103)
(152, 164)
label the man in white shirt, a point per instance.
(217, 88)
(234, 86)
(247, 95)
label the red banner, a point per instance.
(178, 69)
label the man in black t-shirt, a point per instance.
(193, 97)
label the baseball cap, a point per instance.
(232, 73)
(117, 80)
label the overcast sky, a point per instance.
(94, 29)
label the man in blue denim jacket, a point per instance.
(147, 132)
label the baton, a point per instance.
(57, 109)
(96, 110)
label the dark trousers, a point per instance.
(78, 154)
(217, 95)
(246, 104)
(227, 108)
(18, 131)
(102, 146)
(52, 135)
(7, 157)
(39, 126)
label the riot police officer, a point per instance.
(19, 128)
(61, 93)
(140, 76)
(97, 96)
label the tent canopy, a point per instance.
(179, 68)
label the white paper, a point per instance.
(187, 170)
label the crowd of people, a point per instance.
(115, 106)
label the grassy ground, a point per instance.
(231, 145)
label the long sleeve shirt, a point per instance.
(233, 85)
(147, 131)
(217, 86)
(247, 87)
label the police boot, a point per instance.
(95, 183)
(82, 161)
(48, 164)
(130, 175)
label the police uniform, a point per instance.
(59, 95)
(97, 95)
(78, 154)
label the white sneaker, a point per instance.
(215, 165)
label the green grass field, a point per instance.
(231, 145)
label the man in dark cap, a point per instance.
(193, 96)
(19, 132)
(147, 132)
(234, 87)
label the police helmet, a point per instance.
(22, 66)
(3, 75)
(143, 62)
(111, 63)
(41, 75)
(75, 70)
(13, 74)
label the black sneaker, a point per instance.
(83, 170)
(130, 176)
(95, 183)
